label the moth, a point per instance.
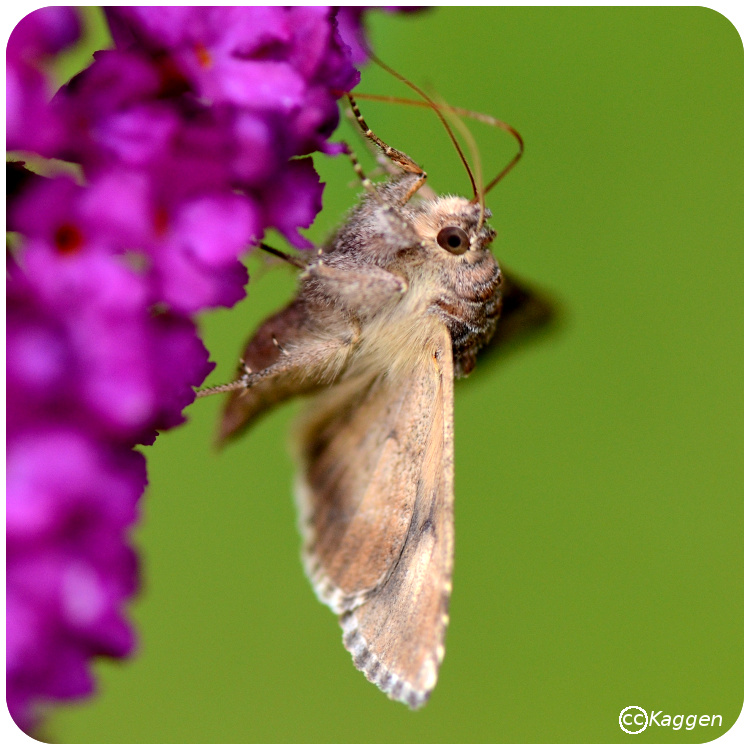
(393, 307)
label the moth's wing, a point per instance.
(525, 312)
(241, 408)
(299, 358)
(377, 515)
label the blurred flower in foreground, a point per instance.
(184, 135)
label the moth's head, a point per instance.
(453, 229)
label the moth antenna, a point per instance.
(461, 112)
(437, 111)
(512, 163)
(296, 262)
(476, 160)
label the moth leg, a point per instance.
(398, 157)
(390, 196)
(278, 345)
(387, 166)
(366, 182)
(313, 357)
(291, 361)
(302, 367)
(403, 160)
(368, 287)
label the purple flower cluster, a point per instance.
(183, 135)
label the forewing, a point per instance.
(295, 352)
(525, 312)
(241, 408)
(377, 515)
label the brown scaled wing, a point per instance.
(376, 497)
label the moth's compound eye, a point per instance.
(453, 239)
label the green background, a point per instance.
(598, 469)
